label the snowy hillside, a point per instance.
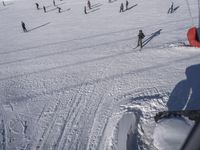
(74, 81)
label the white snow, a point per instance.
(76, 80)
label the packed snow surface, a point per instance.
(74, 81)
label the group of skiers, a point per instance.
(122, 6)
(44, 8)
(140, 35)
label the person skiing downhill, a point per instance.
(54, 3)
(24, 26)
(140, 38)
(127, 4)
(121, 8)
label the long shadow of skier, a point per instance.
(62, 11)
(176, 8)
(52, 9)
(96, 5)
(39, 26)
(186, 94)
(157, 33)
(93, 10)
(131, 7)
(60, 4)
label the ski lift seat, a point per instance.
(193, 37)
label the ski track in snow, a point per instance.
(66, 84)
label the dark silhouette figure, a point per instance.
(109, 1)
(44, 8)
(37, 6)
(24, 26)
(3, 3)
(127, 4)
(59, 9)
(171, 9)
(121, 8)
(85, 10)
(186, 94)
(54, 3)
(89, 5)
(140, 38)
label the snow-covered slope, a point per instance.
(74, 81)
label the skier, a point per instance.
(89, 5)
(127, 4)
(121, 8)
(24, 26)
(140, 38)
(171, 9)
(3, 3)
(59, 9)
(37, 6)
(109, 1)
(54, 3)
(44, 8)
(85, 10)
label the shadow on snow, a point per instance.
(39, 27)
(186, 94)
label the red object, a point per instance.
(192, 37)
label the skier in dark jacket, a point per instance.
(140, 38)
(85, 10)
(37, 6)
(24, 26)
(89, 5)
(121, 8)
(127, 4)
(171, 9)
(44, 8)
(59, 9)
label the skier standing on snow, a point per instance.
(140, 38)
(37, 6)
(44, 8)
(89, 5)
(121, 8)
(171, 9)
(24, 26)
(127, 4)
(59, 9)
(85, 10)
